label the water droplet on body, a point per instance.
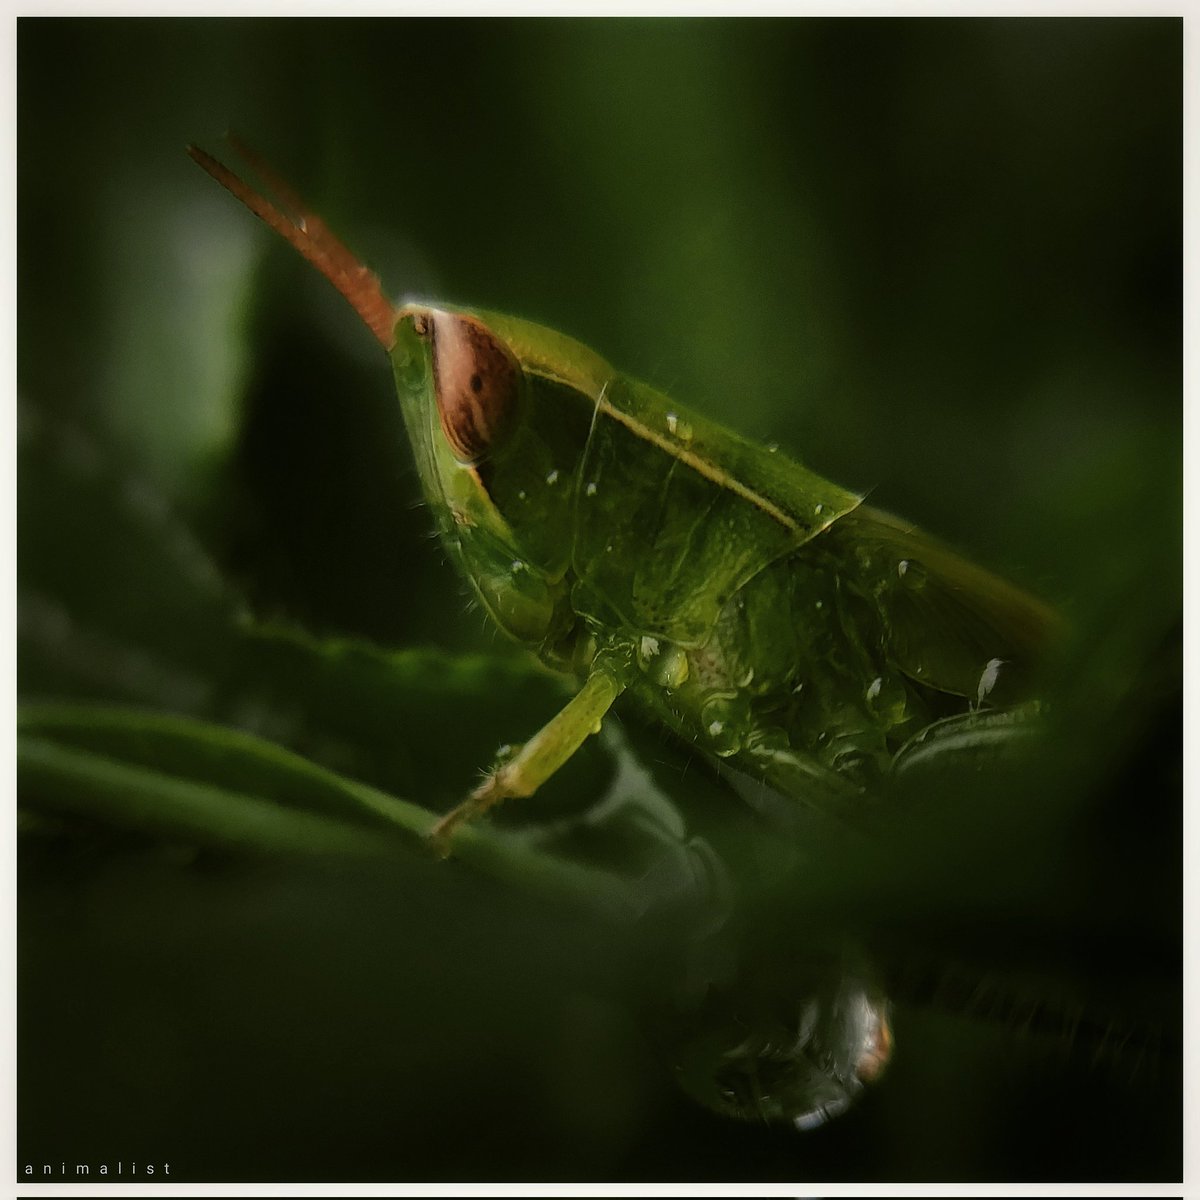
(667, 665)
(724, 721)
(673, 668)
(887, 699)
(677, 428)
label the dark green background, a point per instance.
(936, 260)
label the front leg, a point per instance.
(542, 755)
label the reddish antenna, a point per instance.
(310, 235)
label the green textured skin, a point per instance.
(752, 606)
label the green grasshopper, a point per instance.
(756, 609)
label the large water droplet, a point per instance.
(804, 1064)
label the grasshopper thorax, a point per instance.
(476, 382)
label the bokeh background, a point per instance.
(938, 260)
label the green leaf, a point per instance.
(183, 780)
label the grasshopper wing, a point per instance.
(676, 512)
(946, 622)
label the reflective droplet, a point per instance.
(517, 565)
(552, 478)
(803, 1066)
(521, 496)
(724, 721)
(669, 667)
(590, 490)
(680, 429)
(887, 698)
(772, 447)
(818, 509)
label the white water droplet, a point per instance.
(590, 490)
(772, 447)
(819, 509)
(875, 688)
(552, 478)
(672, 422)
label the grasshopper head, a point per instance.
(497, 447)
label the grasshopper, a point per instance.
(756, 609)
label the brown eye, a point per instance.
(476, 382)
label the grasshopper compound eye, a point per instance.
(476, 382)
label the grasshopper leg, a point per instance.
(979, 737)
(540, 757)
